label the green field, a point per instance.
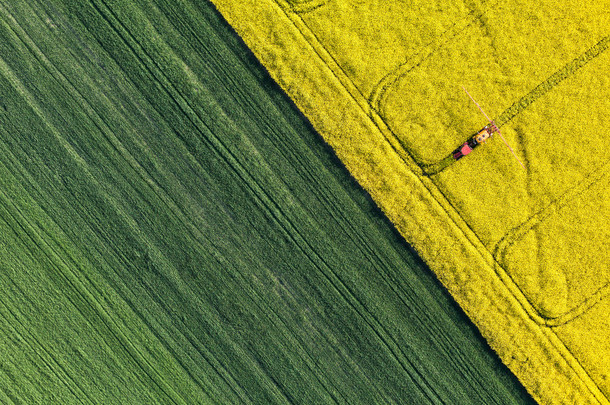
(173, 231)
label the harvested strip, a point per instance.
(544, 87)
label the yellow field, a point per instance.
(524, 252)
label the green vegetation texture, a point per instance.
(173, 231)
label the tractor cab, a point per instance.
(484, 134)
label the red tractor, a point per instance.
(480, 137)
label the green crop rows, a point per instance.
(171, 231)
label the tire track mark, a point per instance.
(305, 6)
(500, 250)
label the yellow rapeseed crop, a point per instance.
(524, 252)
